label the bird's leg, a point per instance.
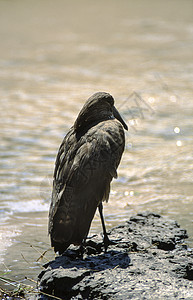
(106, 240)
(82, 248)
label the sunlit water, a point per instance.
(53, 56)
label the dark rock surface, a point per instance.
(148, 261)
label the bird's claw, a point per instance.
(107, 242)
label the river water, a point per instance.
(53, 56)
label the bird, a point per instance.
(86, 163)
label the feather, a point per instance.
(86, 163)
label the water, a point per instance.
(53, 56)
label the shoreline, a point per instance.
(148, 260)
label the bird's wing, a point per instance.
(63, 164)
(84, 170)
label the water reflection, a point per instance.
(51, 61)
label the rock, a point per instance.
(149, 260)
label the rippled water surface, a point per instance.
(53, 56)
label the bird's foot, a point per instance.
(107, 242)
(93, 247)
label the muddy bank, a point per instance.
(148, 261)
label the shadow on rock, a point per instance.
(97, 262)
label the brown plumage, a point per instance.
(86, 163)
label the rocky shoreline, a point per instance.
(149, 260)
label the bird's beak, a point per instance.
(119, 118)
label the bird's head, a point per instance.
(99, 107)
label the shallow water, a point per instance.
(53, 56)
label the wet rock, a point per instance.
(148, 260)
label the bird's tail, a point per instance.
(59, 247)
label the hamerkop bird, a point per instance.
(86, 163)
